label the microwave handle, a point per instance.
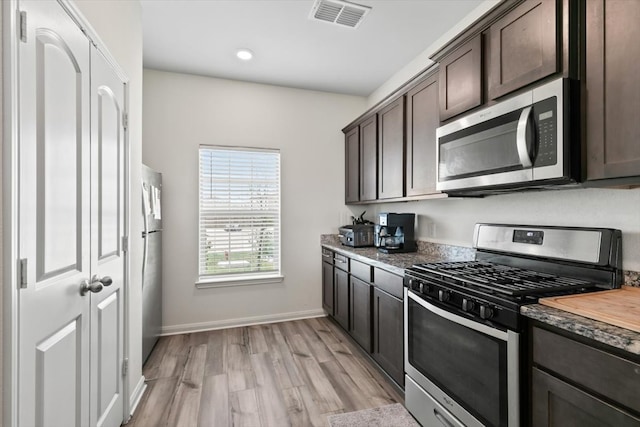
(521, 138)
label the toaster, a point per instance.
(357, 235)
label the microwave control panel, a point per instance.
(545, 117)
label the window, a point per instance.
(239, 215)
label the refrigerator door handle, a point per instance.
(145, 233)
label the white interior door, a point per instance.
(54, 219)
(71, 223)
(107, 256)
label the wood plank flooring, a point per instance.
(281, 374)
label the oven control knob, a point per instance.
(444, 295)
(467, 305)
(486, 312)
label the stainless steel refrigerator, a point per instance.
(152, 259)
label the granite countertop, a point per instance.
(396, 263)
(621, 338)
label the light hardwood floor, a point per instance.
(281, 374)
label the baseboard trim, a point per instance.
(234, 323)
(137, 394)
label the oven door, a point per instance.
(469, 368)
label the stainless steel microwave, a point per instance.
(520, 142)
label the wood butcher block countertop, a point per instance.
(619, 307)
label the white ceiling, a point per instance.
(202, 36)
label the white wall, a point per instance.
(119, 25)
(183, 111)
(451, 221)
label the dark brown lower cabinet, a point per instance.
(577, 382)
(327, 287)
(388, 334)
(360, 325)
(556, 403)
(341, 297)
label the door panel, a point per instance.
(54, 227)
(107, 259)
(108, 116)
(108, 314)
(58, 400)
(59, 141)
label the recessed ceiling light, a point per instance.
(244, 54)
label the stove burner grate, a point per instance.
(503, 279)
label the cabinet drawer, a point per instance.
(606, 374)
(341, 261)
(361, 270)
(327, 255)
(388, 282)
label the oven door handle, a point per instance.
(484, 329)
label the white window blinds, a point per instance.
(239, 212)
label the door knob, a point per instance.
(106, 280)
(94, 286)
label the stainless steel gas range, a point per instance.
(464, 335)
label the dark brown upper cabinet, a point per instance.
(391, 150)
(369, 159)
(352, 165)
(460, 79)
(422, 121)
(612, 91)
(523, 46)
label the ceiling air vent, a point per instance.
(339, 12)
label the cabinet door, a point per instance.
(369, 159)
(422, 122)
(388, 334)
(327, 287)
(523, 47)
(558, 404)
(460, 80)
(341, 298)
(391, 150)
(352, 165)
(360, 323)
(612, 93)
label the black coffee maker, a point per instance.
(394, 233)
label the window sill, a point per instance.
(230, 281)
